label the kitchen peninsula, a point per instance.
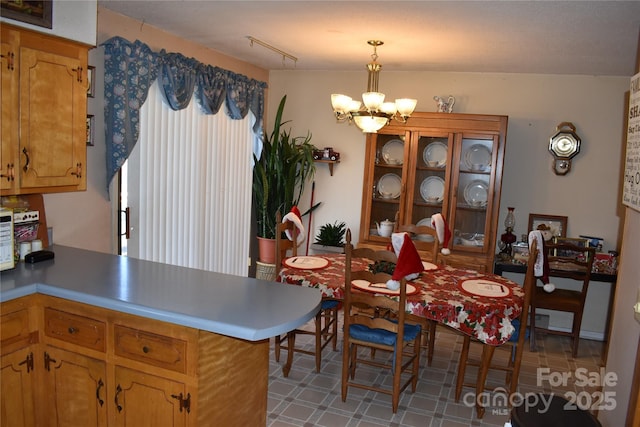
(134, 342)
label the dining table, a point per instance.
(482, 305)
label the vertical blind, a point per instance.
(192, 176)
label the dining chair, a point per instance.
(568, 261)
(325, 322)
(515, 346)
(377, 332)
(426, 242)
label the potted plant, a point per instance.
(279, 175)
(330, 237)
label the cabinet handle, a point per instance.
(28, 361)
(26, 165)
(72, 330)
(184, 403)
(100, 385)
(78, 73)
(118, 391)
(9, 57)
(9, 174)
(145, 349)
(78, 171)
(47, 360)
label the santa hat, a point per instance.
(442, 230)
(541, 266)
(409, 264)
(295, 217)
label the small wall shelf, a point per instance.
(330, 163)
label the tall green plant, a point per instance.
(285, 165)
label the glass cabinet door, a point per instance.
(475, 158)
(430, 178)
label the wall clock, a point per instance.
(564, 145)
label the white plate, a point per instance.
(476, 193)
(435, 152)
(393, 152)
(389, 186)
(429, 266)
(425, 221)
(477, 157)
(485, 288)
(306, 262)
(381, 288)
(432, 187)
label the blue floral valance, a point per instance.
(131, 68)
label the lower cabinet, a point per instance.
(69, 364)
(16, 389)
(74, 389)
(147, 400)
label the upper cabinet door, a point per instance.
(9, 99)
(52, 113)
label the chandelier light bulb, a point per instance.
(406, 106)
(373, 100)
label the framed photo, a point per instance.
(91, 87)
(90, 129)
(32, 12)
(583, 243)
(557, 225)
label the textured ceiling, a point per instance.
(547, 37)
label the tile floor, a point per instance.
(307, 398)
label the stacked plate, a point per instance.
(389, 186)
(435, 154)
(393, 152)
(432, 189)
(476, 193)
(477, 158)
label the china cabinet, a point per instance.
(44, 93)
(438, 163)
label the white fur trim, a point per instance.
(549, 287)
(438, 223)
(298, 223)
(445, 251)
(393, 285)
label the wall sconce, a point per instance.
(564, 145)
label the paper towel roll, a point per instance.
(36, 245)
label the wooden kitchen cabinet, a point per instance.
(44, 106)
(17, 371)
(438, 163)
(86, 365)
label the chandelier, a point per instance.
(375, 113)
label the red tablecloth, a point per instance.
(439, 298)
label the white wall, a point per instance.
(535, 104)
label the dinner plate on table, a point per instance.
(485, 288)
(435, 154)
(306, 262)
(381, 288)
(393, 152)
(429, 266)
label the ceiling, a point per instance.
(545, 37)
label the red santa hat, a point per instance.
(295, 217)
(541, 266)
(442, 230)
(409, 264)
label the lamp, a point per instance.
(375, 113)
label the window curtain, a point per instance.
(131, 68)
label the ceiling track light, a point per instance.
(375, 113)
(282, 53)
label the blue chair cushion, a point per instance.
(380, 336)
(328, 304)
(516, 333)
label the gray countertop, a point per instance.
(235, 306)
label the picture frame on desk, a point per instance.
(32, 12)
(557, 224)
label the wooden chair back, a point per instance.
(283, 244)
